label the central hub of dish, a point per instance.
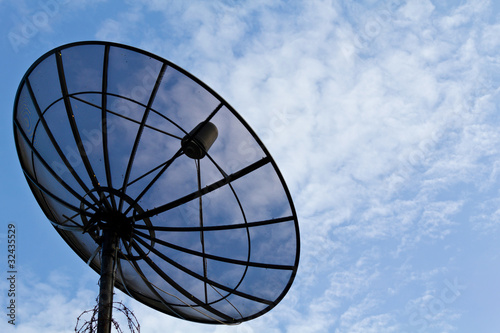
(116, 222)
(115, 213)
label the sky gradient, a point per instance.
(382, 116)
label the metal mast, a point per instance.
(108, 258)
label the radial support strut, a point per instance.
(107, 280)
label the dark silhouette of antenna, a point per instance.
(157, 183)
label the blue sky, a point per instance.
(382, 116)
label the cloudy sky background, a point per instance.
(383, 118)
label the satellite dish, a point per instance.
(157, 183)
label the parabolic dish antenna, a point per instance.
(156, 182)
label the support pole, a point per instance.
(107, 280)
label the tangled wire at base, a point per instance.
(90, 326)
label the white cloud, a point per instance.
(417, 10)
(51, 303)
(111, 30)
